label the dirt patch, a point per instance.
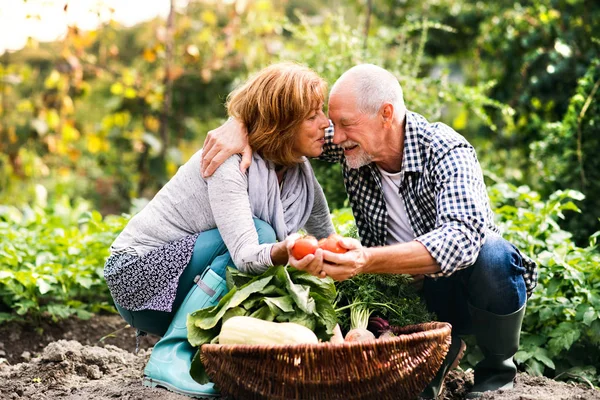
(541, 388)
(20, 342)
(83, 367)
(70, 370)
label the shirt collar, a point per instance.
(412, 157)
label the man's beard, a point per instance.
(359, 158)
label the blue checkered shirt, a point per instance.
(443, 190)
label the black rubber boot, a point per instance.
(435, 389)
(498, 338)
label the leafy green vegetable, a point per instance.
(283, 304)
(299, 293)
(281, 294)
(207, 318)
(388, 296)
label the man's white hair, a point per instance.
(372, 86)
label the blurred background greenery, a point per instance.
(109, 114)
(94, 123)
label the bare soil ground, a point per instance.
(95, 360)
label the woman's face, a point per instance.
(310, 138)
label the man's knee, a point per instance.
(266, 234)
(498, 260)
(497, 278)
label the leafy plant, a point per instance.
(561, 329)
(51, 260)
(565, 156)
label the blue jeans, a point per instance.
(209, 250)
(493, 283)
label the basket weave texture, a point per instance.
(398, 368)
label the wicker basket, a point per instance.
(396, 368)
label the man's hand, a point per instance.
(311, 263)
(223, 142)
(346, 265)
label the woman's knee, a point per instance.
(266, 234)
(149, 321)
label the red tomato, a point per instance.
(331, 244)
(304, 246)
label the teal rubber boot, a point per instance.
(435, 389)
(171, 358)
(498, 338)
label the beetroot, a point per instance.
(378, 326)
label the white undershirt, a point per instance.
(398, 224)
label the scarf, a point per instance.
(286, 210)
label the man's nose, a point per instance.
(338, 136)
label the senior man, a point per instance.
(421, 207)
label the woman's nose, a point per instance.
(324, 122)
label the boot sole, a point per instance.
(152, 383)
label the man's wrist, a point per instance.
(366, 261)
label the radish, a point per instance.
(359, 319)
(387, 335)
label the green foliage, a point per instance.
(387, 296)
(331, 179)
(561, 329)
(546, 46)
(95, 111)
(51, 260)
(566, 156)
(344, 223)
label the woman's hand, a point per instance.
(311, 263)
(223, 142)
(346, 265)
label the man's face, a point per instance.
(354, 131)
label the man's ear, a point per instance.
(387, 114)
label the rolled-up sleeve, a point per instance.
(461, 208)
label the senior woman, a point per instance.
(170, 259)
